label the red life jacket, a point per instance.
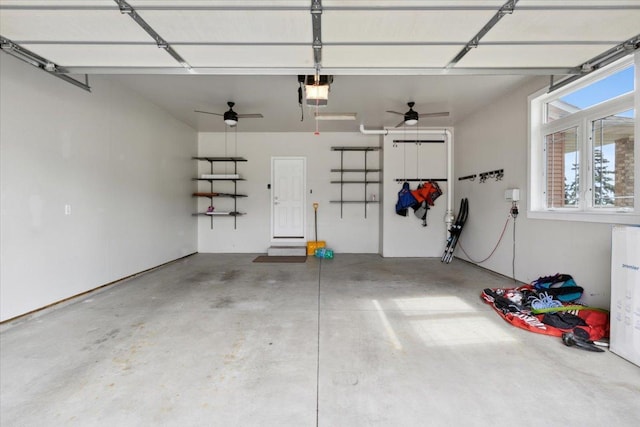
(428, 191)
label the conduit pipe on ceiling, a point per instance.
(448, 216)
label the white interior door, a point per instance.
(288, 198)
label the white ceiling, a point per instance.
(382, 53)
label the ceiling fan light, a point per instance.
(230, 117)
(411, 122)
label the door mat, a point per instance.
(281, 259)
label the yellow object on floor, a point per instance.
(315, 244)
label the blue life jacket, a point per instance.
(405, 200)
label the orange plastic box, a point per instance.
(315, 244)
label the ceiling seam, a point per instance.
(381, 43)
(552, 7)
(369, 71)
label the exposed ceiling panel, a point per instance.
(70, 25)
(142, 4)
(402, 26)
(327, 4)
(58, 3)
(414, 4)
(566, 25)
(377, 57)
(577, 4)
(530, 56)
(231, 26)
(105, 56)
(330, 3)
(284, 57)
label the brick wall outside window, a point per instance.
(624, 184)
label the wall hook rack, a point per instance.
(420, 179)
(417, 141)
(469, 177)
(497, 174)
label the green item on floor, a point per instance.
(324, 253)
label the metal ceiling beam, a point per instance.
(31, 58)
(359, 43)
(316, 22)
(127, 9)
(353, 71)
(621, 50)
(506, 9)
(552, 7)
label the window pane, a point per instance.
(562, 169)
(613, 163)
(597, 92)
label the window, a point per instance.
(616, 84)
(613, 160)
(583, 161)
(562, 166)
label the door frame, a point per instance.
(302, 239)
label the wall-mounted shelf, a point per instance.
(212, 195)
(355, 182)
(218, 179)
(365, 181)
(356, 170)
(211, 178)
(219, 213)
(353, 201)
(355, 148)
(221, 159)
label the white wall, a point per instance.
(353, 233)
(122, 164)
(405, 236)
(496, 138)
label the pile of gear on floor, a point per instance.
(549, 305)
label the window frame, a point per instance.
(569, 124)
(582, 120)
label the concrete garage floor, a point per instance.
(217, 340)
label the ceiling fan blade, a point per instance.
(400, 124)
(207, 112)
(250, 116)
(395, 112)
(441, 114)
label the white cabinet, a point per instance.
(625, 293)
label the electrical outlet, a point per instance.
(512, 195)
(67, 209)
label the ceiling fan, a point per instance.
(231, 117)
(411, 117)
